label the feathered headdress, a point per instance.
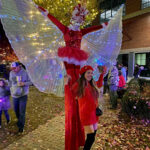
(78, 15)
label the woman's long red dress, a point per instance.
(73, 56)
(88, 102)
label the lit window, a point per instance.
(106, 15)
(140, 59)
(145, 4)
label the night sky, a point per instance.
(5, 47)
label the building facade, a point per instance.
(136, 35)
(136, 31)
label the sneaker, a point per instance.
(17, 123)
(9, 121)
(20, 130)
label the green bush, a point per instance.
(135, 102)
(143, 83)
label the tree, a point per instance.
(62, 9)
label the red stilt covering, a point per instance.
(74, 133)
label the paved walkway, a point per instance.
(50, 136)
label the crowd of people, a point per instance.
(84, 90)
(115, 82)
(18, 87)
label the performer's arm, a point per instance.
(100, 81)
(94, 28)
(53, 19)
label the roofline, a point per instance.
(135, 50)
(137, 13)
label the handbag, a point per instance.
(99, 112)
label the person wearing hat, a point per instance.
(87, 95)
(19, 86)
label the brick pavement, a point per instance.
(50, 136)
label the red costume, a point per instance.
(88, 103)
(122, 82)
(73, 56)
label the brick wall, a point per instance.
(136, 32)
(132, 6)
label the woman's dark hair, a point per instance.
(82, 83)
(120, 73)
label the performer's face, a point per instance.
(16, 69)
(79, 19)
(88, 75)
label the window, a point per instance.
(109, 8)
(140, 59)
(145, 4)
(106, 15)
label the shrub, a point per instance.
(136, 102)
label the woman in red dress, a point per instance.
(73, 57)
(87, 95)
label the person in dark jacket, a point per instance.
(106, 86)
(137, 71)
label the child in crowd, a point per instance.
(121, 85)
(4, 100)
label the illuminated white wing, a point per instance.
(35, 40)
(104, 45)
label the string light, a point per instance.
(37, 40)
(62, 10)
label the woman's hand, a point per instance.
(42, 10)
(66, 79)
(102, 69)
(21, 84)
